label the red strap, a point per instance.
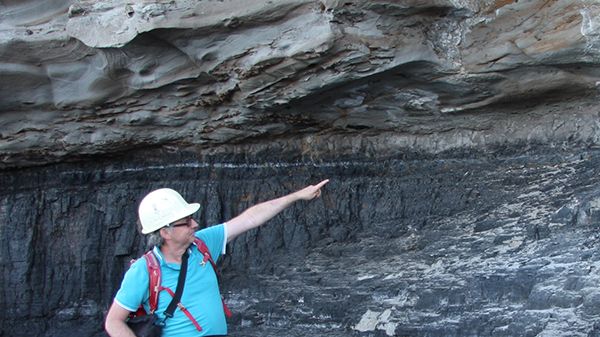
(140, 312)
(155, 279)
(226, 308)
(204, 250)
(184, 309)
(155, 282)
(154, 274)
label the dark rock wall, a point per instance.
(461, 140)
(484, 244)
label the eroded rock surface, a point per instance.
(460, 138)
(85, 77)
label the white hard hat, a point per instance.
(161, 207)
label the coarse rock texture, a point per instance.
(85, 78)
(463, 245)
(460, 136)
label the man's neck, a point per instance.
(172, 253)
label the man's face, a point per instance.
(183, 230)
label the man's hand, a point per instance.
(312, 191)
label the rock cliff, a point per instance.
(461, 140)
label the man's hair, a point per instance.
(152, 239)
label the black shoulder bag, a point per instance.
(149, 325)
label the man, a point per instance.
(166, 218)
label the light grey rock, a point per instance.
(79, 75)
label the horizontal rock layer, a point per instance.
(86, 78)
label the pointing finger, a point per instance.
(319, 185)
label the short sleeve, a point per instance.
(134, 287)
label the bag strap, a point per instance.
(156, 287)
(155, 279)
(206, 253)
(180, 283)
(207, 257)
(184, 310)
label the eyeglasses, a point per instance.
(188, 222)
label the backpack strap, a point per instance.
(153, 267)
(184, 310)
(156, 287)
(206, 253)
(155, 279)
(207, 258)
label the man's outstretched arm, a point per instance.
(261, 213)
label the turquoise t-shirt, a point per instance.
(201, 294)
